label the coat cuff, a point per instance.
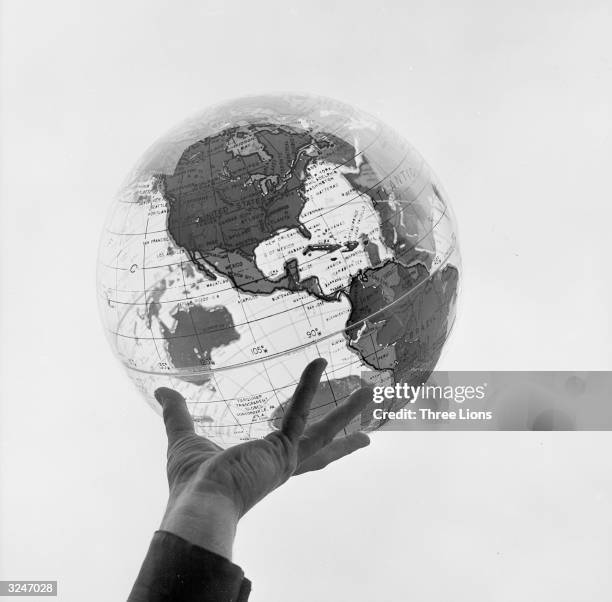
(177, 570)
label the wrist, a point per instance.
(206, 520)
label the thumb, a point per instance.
(177, 419)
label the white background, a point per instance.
(510, 102)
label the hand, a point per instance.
(212, 488)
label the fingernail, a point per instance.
(165, 394)
(363, 439)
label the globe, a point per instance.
(265, 232)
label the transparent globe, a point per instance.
(263, 233)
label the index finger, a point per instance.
(295, 418)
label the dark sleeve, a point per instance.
(178, 571)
